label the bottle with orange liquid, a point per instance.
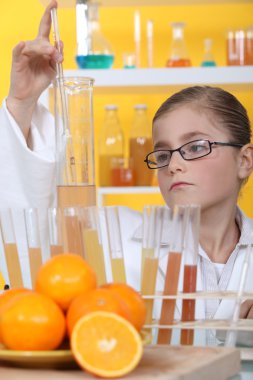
(140, 144)
(179, 56)
(111, 144)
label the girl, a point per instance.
(203, 155)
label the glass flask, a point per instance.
(111, 144)
(140, 144)
(74, 141)
(208, 59)
(96, 51)
(179, 56)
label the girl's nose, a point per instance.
(177, 163)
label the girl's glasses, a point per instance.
(190, 151)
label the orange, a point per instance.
(8, 295)
(32, 321)
(106, 344)
(133, 300)
(95, 300)
(63, 277)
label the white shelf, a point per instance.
(139, 3)
(101, 191)
(162, 79)
(128, 190)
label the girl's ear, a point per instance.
(245, 161)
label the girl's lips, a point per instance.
(178, 185)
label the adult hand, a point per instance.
(33, 68)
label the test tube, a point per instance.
(153, 221)
(190, 255)
(92, 241)
(232, 334)
(55, 231)
(172, 273)
(33, 241)
(115, 244)
(10, 248)
(72, 239)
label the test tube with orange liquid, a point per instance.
(55, 231)
(33, 241)
(153, 221)
(10, 248)
(172, 273)
(115, 244)
(92, 241)
(190, 255)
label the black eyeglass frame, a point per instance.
(171, 151)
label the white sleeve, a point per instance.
(27, 175)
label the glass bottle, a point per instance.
(232, 54)
(249, 46)
(99, 54)
(208, 59)
(179, 56)
(111, 144)
(140, 144)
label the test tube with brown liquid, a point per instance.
(115, 244)
(190, 255)
(172, 273)
(10, 248)
(33, 241)
(153, 221)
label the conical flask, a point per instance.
(93, 49)
(178, 56)
(74, 141)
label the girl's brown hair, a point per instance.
(219, 103)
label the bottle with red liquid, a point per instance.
(249, 47)
(179, 56)
(190, 254)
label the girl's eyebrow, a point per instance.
(186, 137)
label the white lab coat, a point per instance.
(28, 180)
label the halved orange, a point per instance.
(106, 345)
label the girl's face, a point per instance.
(208, 181)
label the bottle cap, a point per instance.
(140, 106)
(111, 107)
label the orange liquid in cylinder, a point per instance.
(178, 63)
(170, 288)
(139, 148)
(188, 311)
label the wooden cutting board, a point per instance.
(159, 362)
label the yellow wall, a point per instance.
(19, 21)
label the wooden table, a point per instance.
(159, 362)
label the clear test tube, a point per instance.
(33, 241)
(55, 225)
(10, 248)
(190, 256)
(153, 221)
(115, 244)
(172, 273)
(92, 241)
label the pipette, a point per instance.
(60, 82)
